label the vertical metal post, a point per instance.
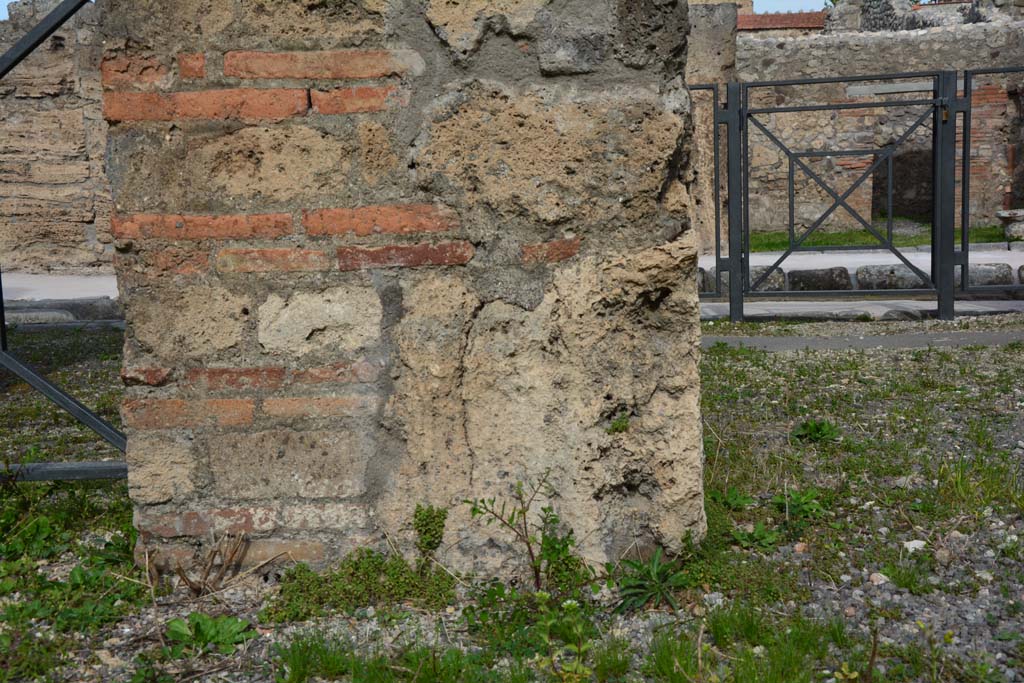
(943, 245)
(734, 127)
(3, 315)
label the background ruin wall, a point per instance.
(375, 254)
(995, 117)
(54, 196)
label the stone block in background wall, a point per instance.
(776, 282)
(54, 196)
(821, 279)
(897, 276)
(375, 254)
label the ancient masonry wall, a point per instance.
(995, 125)
(374, 254)
(54, 196)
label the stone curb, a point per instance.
(52, 311)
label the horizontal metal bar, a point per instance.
(844, 79)
(842, 247)
(43, 30)
(997, 70)
(994, 288)
(841, 152)
(843, 106)
(787, 294)
(51, 391)
(64, 471)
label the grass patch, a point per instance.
(779, 241)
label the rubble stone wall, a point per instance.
(995, 127)
(54, 196)
(376, 253)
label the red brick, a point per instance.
(152, 377)
(391, 220)
(172, 413)
(317, 406)
(192, 65)
(357, 100)
(179, 262)
(171, 227)
(551, 252)
(340, 373)
(236, 379)
(405, 256)
(781, 20)
(331, 65)
(271, 260)
(242, 103)
(202, 523)
(131, 71)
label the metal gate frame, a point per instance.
(76, 471)
(950, 112)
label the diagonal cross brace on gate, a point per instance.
(944, 108)
(54, 471)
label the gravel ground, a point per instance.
(917, 549)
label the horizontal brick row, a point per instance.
(126, 71)
(121, 75)
(400, 219)
(255, 378)
(245, 104)
(174, 413)
(318, 65)
(253, 519)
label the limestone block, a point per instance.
(160, 468)
(285, 463)
(340, 320)
(191, 322)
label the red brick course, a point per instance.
(171, 227)
(405, 256)
(368, 220)
(192, 65)
(236, 379)
(332, 65)
(245, 104)
(131, 71)
(339, 373)
(356, 100)
(551, 252)
(271, 260)
(177, 413)
(317, 406)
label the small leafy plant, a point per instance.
(619, 425)
(761, 537)
(201, 634)
(800, 505)
(549, 549)
(732, 499)
(428, 522)
(653, 582)
(566, 634)
(816, 431)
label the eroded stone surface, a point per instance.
(193, 322)
(462, 23)
(340, 320)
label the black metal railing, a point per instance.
(53, 471)
(945, 109)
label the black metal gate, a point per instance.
(933, 103)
